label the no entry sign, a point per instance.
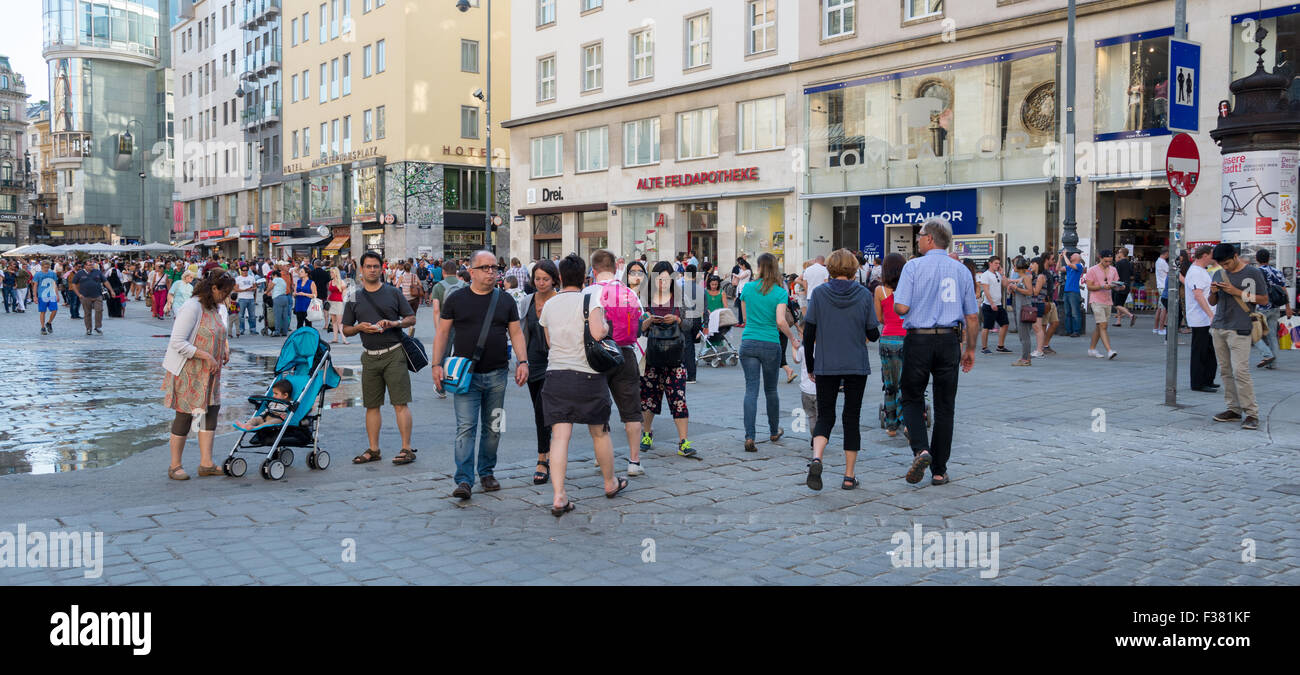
(1182, 165)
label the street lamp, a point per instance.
(241, 92)
(485, 95)
(144, 217)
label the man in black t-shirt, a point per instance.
(379, 314)
(466, 310)
(1123, 265)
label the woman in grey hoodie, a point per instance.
(837, 355)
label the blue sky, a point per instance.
(20, 40)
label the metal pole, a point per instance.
(487, 99)
(1175, 244)
(1070, 237)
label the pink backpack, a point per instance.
(623, 311)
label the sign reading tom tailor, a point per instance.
(701, 178)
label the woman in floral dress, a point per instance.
(195, 356)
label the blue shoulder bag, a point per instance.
(458, 371)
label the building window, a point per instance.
(699, 41)
(642, 48)
(469, 56)
(324, 26)
(593, 149)
(293, 32)
(545, 12)
(294, 138)
(547, 156)
(588, 5)
(837, 18)
(346, 27)
(546, 79)
(347, 74)
(468, 121)
(760, 19)
(697, 133)
(641, 142)
(367, 126)
(334, 135)
(379, 119)
(334, 19)
(365, 6)
(920, 9)
(306, 85)
(367, 64)
(381, 57)
(334, 78)
(324, 83)
(593, 67)
(324, 139)
(347, 133)
(762, 124)
(306, 141)
(293, 88)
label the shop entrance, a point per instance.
(704, 246)
(1138, 220)
(702, 230)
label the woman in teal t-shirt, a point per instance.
(763, 306)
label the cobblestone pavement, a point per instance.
(1074, 463)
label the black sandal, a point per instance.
(562, 510)
(849, 482)
(622, 485)
(539, 477)
(367, 456)
(406, 456)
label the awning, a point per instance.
(187, 242)
(300, 242)
(339, 243)
(225, 239)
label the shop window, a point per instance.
(364, 191)
(327, 196)
(1132, 86)
(593, 232)
(640, 234)
(760, 228)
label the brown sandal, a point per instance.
(367, 456)
(177, 473)
(406, 456)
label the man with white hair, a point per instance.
(935, 295)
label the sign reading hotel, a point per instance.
(701, 178)
(335, 158)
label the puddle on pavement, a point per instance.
(109, 405)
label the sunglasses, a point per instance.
(485, 268)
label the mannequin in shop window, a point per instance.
(1134, 121)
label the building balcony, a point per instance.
(267, 112)
(258, 13)
(11, 185)
(263, 61)
(69, 147)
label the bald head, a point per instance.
(481, 258)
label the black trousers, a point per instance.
(543, 431)
(1204, 364)
(925, 356)
(828, 389)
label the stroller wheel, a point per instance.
(716, 363)
(236, 467)
(322, 460)
(733, 360)
(311, 460)
(273, 469)
(286, 456)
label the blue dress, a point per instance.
(300, 302)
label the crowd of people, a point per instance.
(591, 337)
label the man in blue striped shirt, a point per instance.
(935, 294)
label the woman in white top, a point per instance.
(196, 354)
(744, 276)
(575, 393)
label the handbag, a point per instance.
(458, 371)
(1258, 324)
(602, 355)
(417, 358)
(314, 311)
(1028, 313)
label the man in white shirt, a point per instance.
(815, 275)
(1200, 314)
(992, 311)
(245, 292)
(1162, 275)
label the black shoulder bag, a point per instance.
(417, 358)
(602, 355)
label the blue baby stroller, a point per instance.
(306, 364)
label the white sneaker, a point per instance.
(1093, 352)
(1038, 355)
(1162, 331)
(1112, 354)
(634, 469)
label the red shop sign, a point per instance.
(700, 178)
(211, 234)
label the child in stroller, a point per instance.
(275, 412)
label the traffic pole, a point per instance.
(1173, 320)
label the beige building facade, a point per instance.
(384, 142)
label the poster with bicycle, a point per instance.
(1258, 196)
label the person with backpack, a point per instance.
(664, 373)
(622, 310)
(450, 283)
(1277, 301)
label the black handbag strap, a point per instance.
(487, 323)
(365, 295)
(586, 324)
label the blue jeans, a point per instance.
(282, 303)
(74, 304)
(485, 403)
(246, 316)
(759, 357)
(1073, 312)
(11, 300)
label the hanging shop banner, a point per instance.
(958, 207)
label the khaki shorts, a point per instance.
(1100, 312)
(1050, 317)
(385, 372)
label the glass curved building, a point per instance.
(110, 116)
